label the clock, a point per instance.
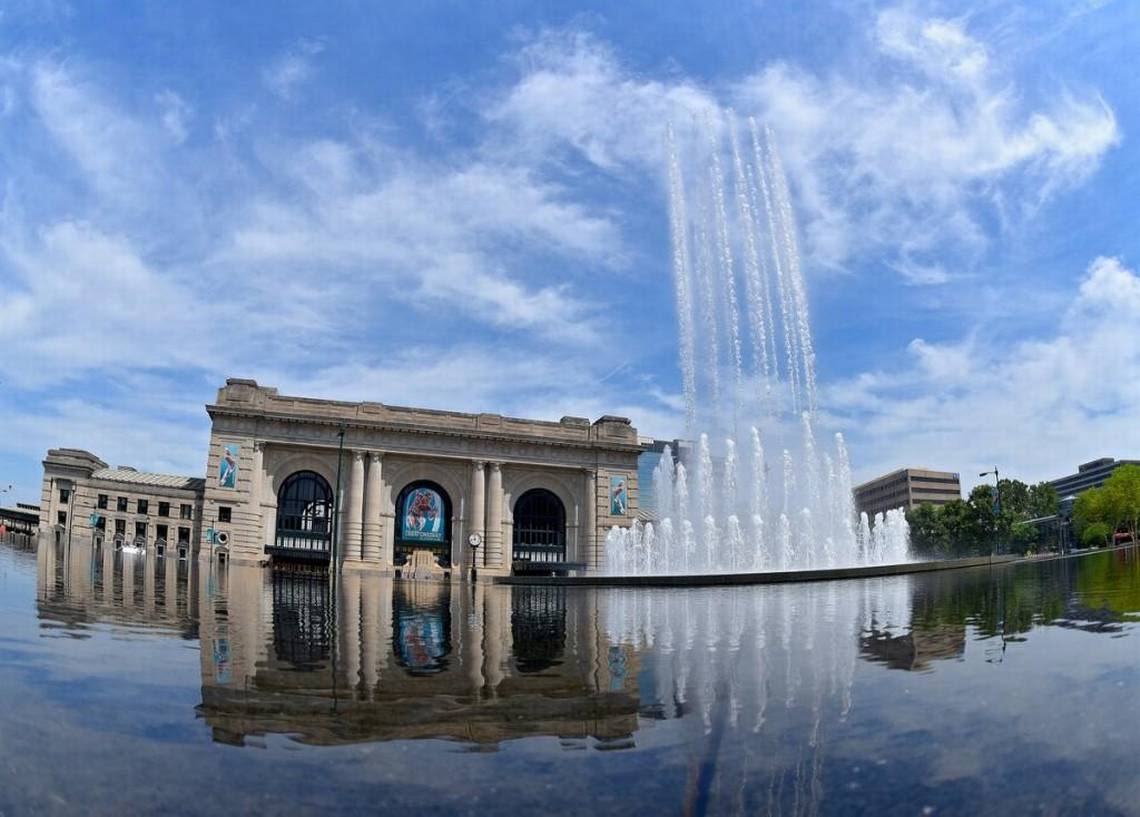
(474, 540)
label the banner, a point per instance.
(619, 496)
(228, 466)
(422, 516)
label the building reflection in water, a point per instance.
(753, 688)
(80, 584)
(476, 663)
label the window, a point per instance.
(186, 512)
(184, 536)
(122, 504)
(61, 517)
(140, 530)
(160, 532)
(64, 496)
(102, 503)
(223, 513)
(120, 526)
(144, 506)
(164, 509)
(101, 523)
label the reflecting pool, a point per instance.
(137, 684)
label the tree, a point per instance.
(1043, 500)
(1015, 497)
(1122, 499)
(1096, 535)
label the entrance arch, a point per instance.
(304, 517)
(539, 535)
(423, 522)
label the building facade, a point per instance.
(372, 486)
(907, 488)
(1089, 475)
(84, 500)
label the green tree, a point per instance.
(1043, 500)
(1015, 497)
(1121, 503)
(1096, 534)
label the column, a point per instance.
(370, 551)
(495, 517)
(354, 508)
(590, 524)
(475, 505)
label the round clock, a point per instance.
(474, 540)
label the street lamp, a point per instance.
(997, 501)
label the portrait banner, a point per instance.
(228, 466)
(422, 516)
(619, 496)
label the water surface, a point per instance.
(143, 685)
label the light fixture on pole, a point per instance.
(997, 501)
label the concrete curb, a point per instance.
(773, 577)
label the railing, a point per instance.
(306, 546)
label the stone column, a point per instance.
(354, 509)
(370, 552)
(590, 523)
(475, 504)
(495, 517)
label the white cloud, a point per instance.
(1031, 407)
(905, 163)
(902, 165)
(175, 114)
(292, 69)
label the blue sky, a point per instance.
(463, 206)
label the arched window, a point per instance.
(539, 530)
(423, 522)
(304, 514)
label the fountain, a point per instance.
(721, 509)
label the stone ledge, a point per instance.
(772, 577)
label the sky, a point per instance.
(464, 206)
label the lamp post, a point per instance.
(336, 499)
(997, 502)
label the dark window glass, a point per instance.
(144, 506)
(122, 504)
(184, 536)
(120, 526)
(304, 512)
(164, 509)
(101, 523)
(103, 501)
(64, 495)
(540, 528)
(160, 532)
(140, 529)
(223, 513)
(186, 512)
(61, 517)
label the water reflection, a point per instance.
(775, 700)
(81, 584)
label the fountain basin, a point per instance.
(763, 577)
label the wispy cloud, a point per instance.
(293, 68)
(1066, 397)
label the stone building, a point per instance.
(434, 492)
(84, 500)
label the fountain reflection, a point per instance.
(767, 699)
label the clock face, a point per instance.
(474, 540)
